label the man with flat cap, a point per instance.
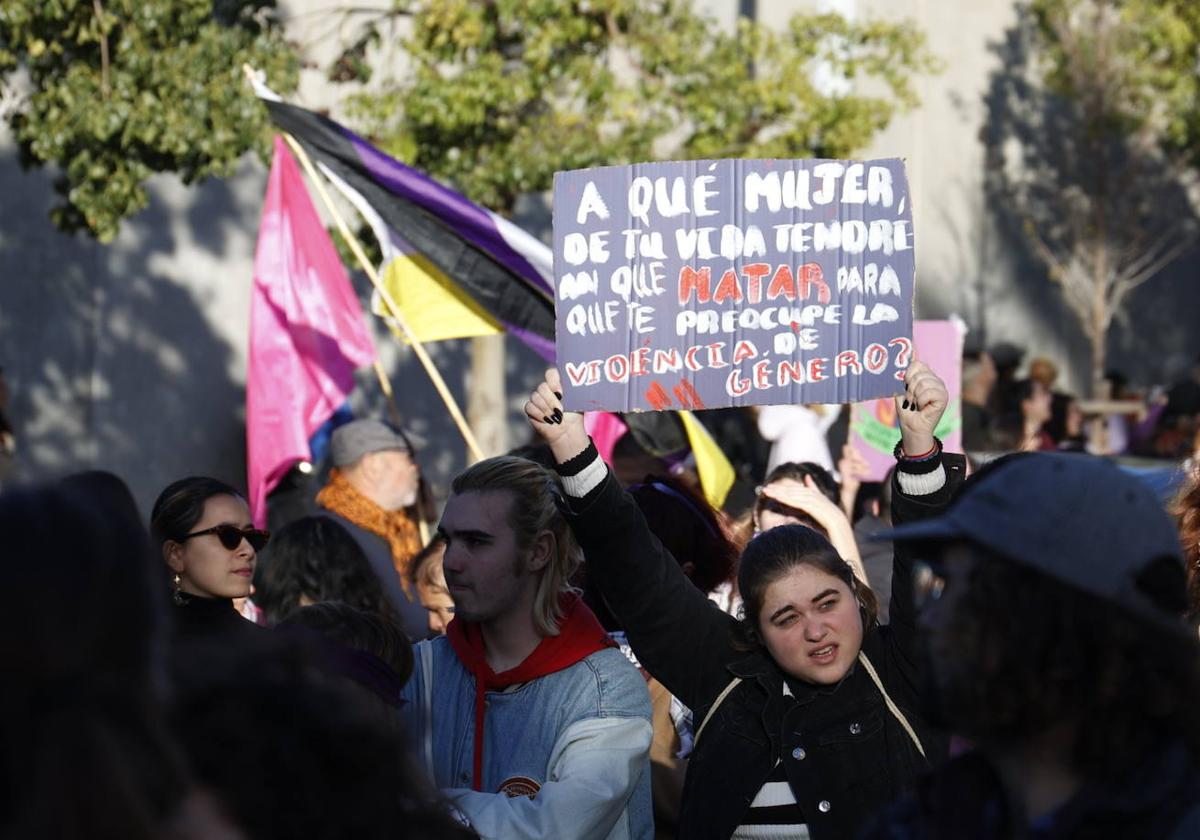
(372, 487)
(1051, 609)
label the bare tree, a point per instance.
(1080, 153)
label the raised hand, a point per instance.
(806, 497)
(920, 407)
(562, 430)
(853, 468)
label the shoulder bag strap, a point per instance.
(892, 707)
(720, 699)
(870, 669)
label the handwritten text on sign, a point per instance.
(716, 283)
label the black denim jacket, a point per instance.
(845, 755)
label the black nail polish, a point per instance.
(904, 404)
(558, 415)
(558, 394)
(547, 420)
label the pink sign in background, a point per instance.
(873, 427)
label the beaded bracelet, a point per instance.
(899, 454)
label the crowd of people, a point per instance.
(1004, 412)
(1000, 647)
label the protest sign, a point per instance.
(874, 430)
(705, 284)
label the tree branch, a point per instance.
(1166, 258)
(99, 11)
(1149, 254)
(1057, 269)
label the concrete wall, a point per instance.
(972, 258)
(131, 357)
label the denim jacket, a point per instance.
(565, 755)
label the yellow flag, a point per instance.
(716, 473)
(435, 307)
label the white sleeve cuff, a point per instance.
(921, 485)
(586, 480)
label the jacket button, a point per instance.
(823, 806)
(799, 753)
(855, 728)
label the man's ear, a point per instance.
(173, 555)
(545, 545)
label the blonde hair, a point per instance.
(536, 495)
(425, 568)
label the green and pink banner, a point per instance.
(874, 430)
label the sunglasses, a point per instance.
(231, 536)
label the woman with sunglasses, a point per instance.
(806, 710)
(210, 547)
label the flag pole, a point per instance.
(393, 309)
(385, 385)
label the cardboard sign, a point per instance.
(705, 284)
(874, 429)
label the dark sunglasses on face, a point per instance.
(231, 536)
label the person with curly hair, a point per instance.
(1186, 509)
(312, 560)
(1054, 638)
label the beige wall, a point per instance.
(131, 356)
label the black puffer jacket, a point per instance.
(846, 756)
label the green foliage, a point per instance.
(122, 89)
(497, 96)
(1130, 64)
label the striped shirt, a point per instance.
(774, 813)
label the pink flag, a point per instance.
(606, 429)
(307, 333)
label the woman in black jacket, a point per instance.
(805, 710)
(202, 528)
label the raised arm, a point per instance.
(807, 498)
(679, 636)
(925, 482)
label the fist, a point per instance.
(920, 407)
(562, 430)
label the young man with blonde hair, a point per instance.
(530, 720)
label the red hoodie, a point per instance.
(579, 636)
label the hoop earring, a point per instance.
(177, 596)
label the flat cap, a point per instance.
(355, 439)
